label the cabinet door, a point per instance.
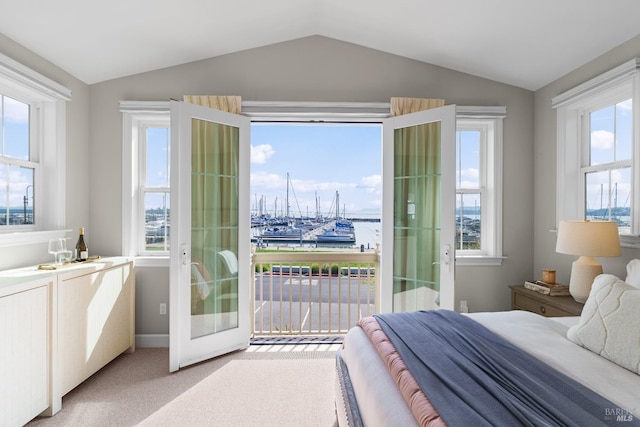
(95, 323)
(24, 348)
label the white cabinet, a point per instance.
(95, 321)
(24, 354)
(59, 327)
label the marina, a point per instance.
(362, 231)
(318, 230)
(304, 230)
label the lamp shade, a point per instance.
(590, 238)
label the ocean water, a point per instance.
(367, 234)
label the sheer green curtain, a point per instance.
(214, 226)
(417, 170)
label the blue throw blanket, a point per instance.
(474, 377)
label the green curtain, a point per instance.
(416, 217)
(214, 223)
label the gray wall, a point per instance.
(77, 157)
(316, 69)
(309, 69)
(545, 162)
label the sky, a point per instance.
(320, 160)
(324, 158)
(611, 140)
(14, 143)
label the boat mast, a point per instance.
(287, 216)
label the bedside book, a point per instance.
(551, 289)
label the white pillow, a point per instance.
(633, 273)
(610, 322)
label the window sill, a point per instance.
(17, 238)
(628, 241)
(160, 261)
(479, 260)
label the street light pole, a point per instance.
(26, 202)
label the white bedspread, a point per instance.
(381, 404)
(546, 339)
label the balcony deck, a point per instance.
(313, 293)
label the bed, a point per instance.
(584, 369)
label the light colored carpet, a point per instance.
(264, 385)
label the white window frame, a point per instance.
(138, 114)
(47, 100)
(573, 107)
(489, 121)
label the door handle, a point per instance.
(445, 257)
(184, 254)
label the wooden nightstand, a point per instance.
(526, 299)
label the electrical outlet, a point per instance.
(464, 307)
(163, 308)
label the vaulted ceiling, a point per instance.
(525, 44)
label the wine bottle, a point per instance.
(81, 247)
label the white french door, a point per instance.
(418, 230)
(210, 242)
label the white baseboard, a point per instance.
(152, 340)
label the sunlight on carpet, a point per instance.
(263, 385)
(292, 392)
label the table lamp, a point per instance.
(587, 239)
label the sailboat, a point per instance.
(286, 231)
(343, 230)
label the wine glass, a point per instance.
(56, 246)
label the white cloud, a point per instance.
(470, 174)
(626, 106)
(470, 178)
(602, 139)
(372, 181)
(261, 153)
(15, 111)
(267, 181)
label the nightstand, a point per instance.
(528, 300)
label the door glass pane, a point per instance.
(214, 227)
(416, 217)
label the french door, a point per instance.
(210, 242)
(418, 170)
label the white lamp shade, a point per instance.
(590, 238)
(587, 239)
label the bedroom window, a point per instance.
(479, 189)
(154, 183)
(32, 140)
(146, 205)
(478, 186)
(596, 142)
(17, 167)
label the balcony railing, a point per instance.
(313, 293)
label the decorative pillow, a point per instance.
(610, 322)
(633, 273)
